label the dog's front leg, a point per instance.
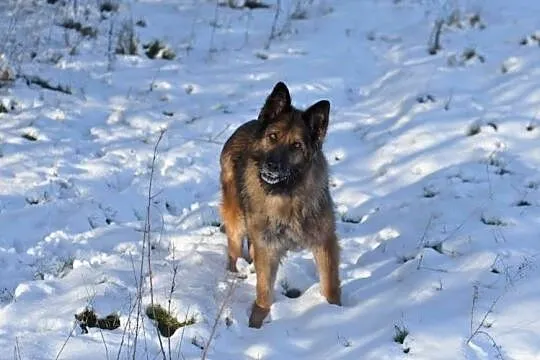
(266, 264)
(327, 259)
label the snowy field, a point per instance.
(434, 162)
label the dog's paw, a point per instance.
(258, 314)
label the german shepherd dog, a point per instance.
(274, 181)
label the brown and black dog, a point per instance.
(274, 179)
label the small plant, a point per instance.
(533, 39)
(65, 267)
(471, 53)
(351, 219)
(247, 4)
(89, 319)
(291, 293)
(495, 161)
(473, 129)
(6, 295)
(423, 99)
(32, 200)
(7, 74)
(166, 323)
(458, 20)
(476, 21)
(492, 221)
(126, 43)
(156, 49)
(502, 171)
(492, 125)
(29, 136)
(3, 108)
(534, 185)
(300, 11)
(215, 223)
(85, 31)
(467, 56)
(400, 334)
(483, 323)
(344, 341)
(437, 246)
(108, 6)
(197, 342)
(402, 259)
(523, 203)
(255, 4)
(261, 55)
(434, 43)
(36, 80)
(429, 193)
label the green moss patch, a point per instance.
(166, 323)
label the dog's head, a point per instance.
(289, 138)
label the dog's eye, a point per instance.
(272, 136)
(297, 145)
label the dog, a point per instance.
(274, 188)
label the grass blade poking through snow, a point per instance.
(146, 246)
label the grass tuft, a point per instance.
(36, 80)
(473, 129)
(85, 31)
(521, 203)
(126, 43)
(429, 193)
(438, 247)
(166, 323)
(400, 334)
(108, 6)
(157, 50)
(492, 221)
(29, 137)
(89, 319)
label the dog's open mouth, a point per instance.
(272, 177)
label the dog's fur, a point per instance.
(274, 182)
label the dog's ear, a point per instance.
(316, 118)
(277, 102)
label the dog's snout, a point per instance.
(272, 166)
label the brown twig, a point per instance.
(147, 233)
(228, 295)
(435, 38)
(274, 25)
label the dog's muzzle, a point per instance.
(272, 174)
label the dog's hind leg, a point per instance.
(234, 228)
(233, 220)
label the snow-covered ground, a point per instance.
(433, 159)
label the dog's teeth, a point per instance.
(271, 181)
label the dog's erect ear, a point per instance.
(277, 102)
(316, 118)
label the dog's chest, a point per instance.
(285, 225)
(283, 237)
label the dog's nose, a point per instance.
(272, 166)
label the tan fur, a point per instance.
(300, 216)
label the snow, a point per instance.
(433, 164)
